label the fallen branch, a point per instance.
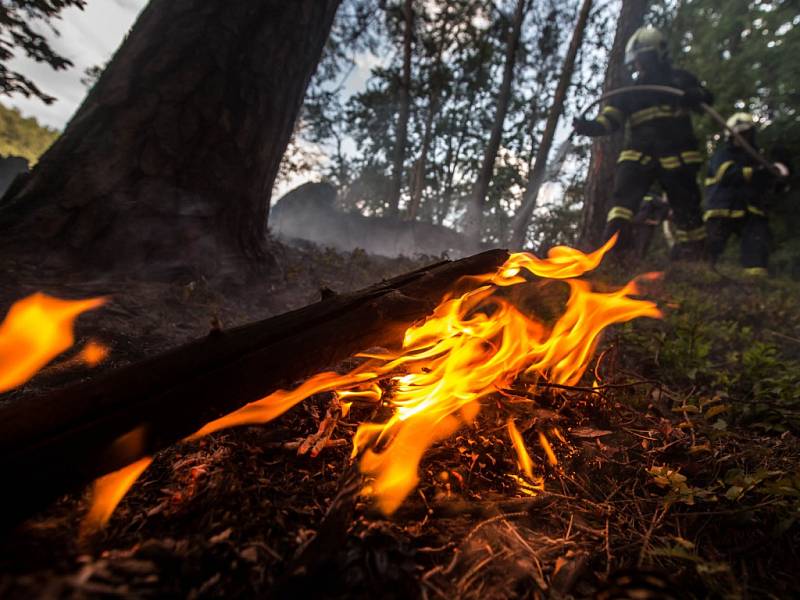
(63, 440)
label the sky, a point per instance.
(87, 37)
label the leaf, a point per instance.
(674, 552)
(734, 492)
(686, 408)
(683, 543)
(716, 410)
(702, 448)
(588, 432)
(720, 425)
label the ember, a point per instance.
(471, 346)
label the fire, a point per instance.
(36, 330)
(109, 490)
(471, 346)
(523, 458)
(548, 449)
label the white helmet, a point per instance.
(645, 40)
(741, 122)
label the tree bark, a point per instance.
(60, 441)
(454, 147)
(536, 176)
(600, 182)
(173, 154)
(435, 101)
(421, 165)
(473, 225)
(404, 99)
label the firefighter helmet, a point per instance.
(646, 40)
(741, 122)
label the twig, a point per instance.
(646, 541)
(538, 575)
(781, 335)
(574, 388)
(732, 511)
(609, 558)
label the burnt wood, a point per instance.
(60, 441)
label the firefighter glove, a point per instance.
(694, 97)
(584, 126)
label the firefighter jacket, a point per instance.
(658, 124)
(736, 185)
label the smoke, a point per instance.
(309, 212)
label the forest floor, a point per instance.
(681, 474)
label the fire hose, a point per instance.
(755, 154)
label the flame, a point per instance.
(471, 346)
(109, 490)
(562, 262)
(36, 330)
(523, 458)
(548, 449)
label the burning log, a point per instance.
(58, 442)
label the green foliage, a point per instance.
(724, 343)
(20, 136)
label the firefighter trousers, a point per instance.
(754, 233)
(636, 172)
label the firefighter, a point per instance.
(659, 144)
(737, 191)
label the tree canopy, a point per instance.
(21, 136)
(20, 22)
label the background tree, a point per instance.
(18, 20)
(21, 136)
(475, 208)
(172, 155)
(404, 106)
(458, 65)
(537, 174)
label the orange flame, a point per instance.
(469, 347)
(36, 330)
(109, 490)
(548, 449)
(523, 458)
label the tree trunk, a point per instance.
(402, 118)
(600, 182)
(450, 166)
(435, 101)
(473, 225)
(172, 156)
(536, 176)
(422, 162)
